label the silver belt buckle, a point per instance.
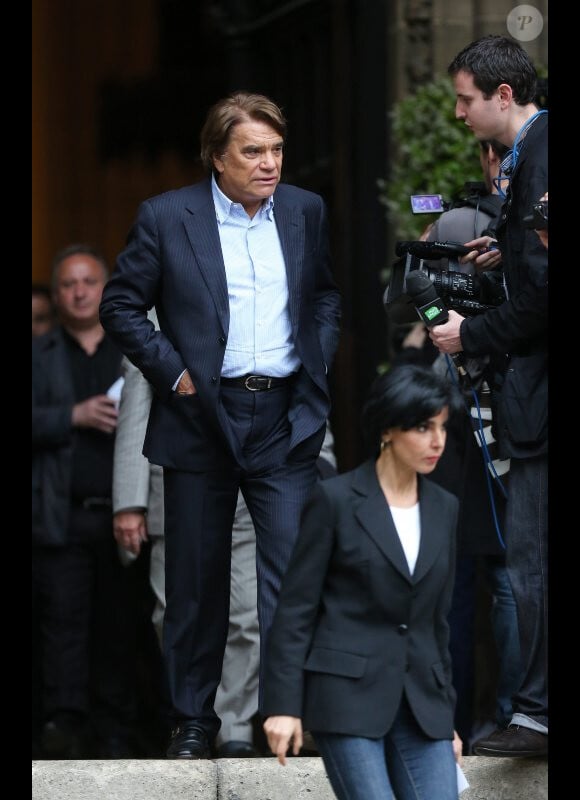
(257, 378)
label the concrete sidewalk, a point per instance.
(255, 779)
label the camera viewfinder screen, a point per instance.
(426, 204)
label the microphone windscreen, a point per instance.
(419, 287)
(402, 248)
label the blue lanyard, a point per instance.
(510, 160)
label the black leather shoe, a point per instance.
(236, 749)
(62, 736)
(188, 740)
(514, 741)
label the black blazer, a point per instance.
(53, 435)
(173, 261)
(353, 629)
(52, 402)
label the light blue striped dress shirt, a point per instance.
(260, 335)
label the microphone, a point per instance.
(430, 307)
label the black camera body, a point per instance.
(538, 219)
(467, 294)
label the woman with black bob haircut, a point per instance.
(403, 397)
(358, 652)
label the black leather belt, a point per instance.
(255, 383)
(89, 503)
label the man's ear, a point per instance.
(218, 163)
(505, 93)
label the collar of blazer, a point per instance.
(372, 512)
(202, 231)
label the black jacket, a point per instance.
(353, 629)
(518, 328)
(173, 261)
(53, 398)
(52, 403)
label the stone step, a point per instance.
(255, 779)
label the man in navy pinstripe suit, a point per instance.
(238, 268)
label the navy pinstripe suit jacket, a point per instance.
(173, 261)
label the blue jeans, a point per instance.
(527, 563)
(403, 765)
(504, 624)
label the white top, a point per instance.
(409, 529)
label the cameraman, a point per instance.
(482, 504)
(495, 84)
(475, 215)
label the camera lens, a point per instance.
(456, 284)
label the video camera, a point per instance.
(467, 294)
(538, 219)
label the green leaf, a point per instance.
(433, 153)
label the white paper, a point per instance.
(462, 783)
(114, 391)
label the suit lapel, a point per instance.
(202, 231)
(290, 224)
(372, 513)
(433, 529)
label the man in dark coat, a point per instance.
(238, 269)
(495, 85)
(81, 592)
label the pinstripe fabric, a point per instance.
(220, 439)
(173, 261)
(136, 483)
